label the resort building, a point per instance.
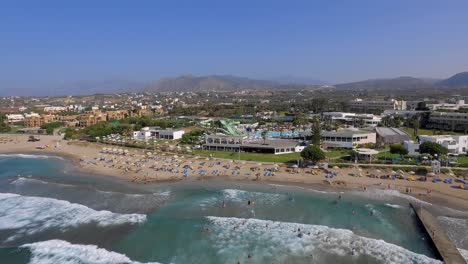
(359, 105)
(347, 138)
(148, 133)
(223, 142)
(239, 143)
(390, 135)
(448, 121)
(455, 144)
(368, 120)
(14, 118)
(448, 106)
(91, 118)
(36, 120)
(117, 114)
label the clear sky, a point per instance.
(46, 41)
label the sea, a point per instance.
(52, 213)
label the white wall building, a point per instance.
(454, 144)
(147, 133)
(347, 138)
(14, 118)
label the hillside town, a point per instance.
(357, 130)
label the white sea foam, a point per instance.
(28, 215)
(63, 252)
(394, 205)
(303, 188)
(464, 253)
(280, 241)
(456, 229)
(388, 194)
(242, 196)
(30, 156)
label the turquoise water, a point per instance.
(50, 213)
(277, 134)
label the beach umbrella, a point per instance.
(294, 166)
(400, 171)
(393, 172)
(430, 174)
(378, 171)
(412, 172)
(315, 167)
(336, 167)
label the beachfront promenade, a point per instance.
(445, 247)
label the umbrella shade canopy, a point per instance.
(294, 166)
(430, 174)
(378, 171)
(394, 172)
(336, 167)
(411, 172)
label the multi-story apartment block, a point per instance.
(358, 105)
(448, 121)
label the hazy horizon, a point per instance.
(53, 43)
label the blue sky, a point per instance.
(44, 42)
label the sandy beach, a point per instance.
(139, 167)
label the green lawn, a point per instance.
(387, 154)
(462, 161)
(429, 132)
(336, 153)
(249, 156)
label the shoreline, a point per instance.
(84, 157)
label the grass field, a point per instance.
(429, 132)
(387, 154)
(249, 156)
(264, 157)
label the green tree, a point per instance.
(398, 149)
(433, 148)
(49, 127)
(264, 136)
(192, 137)
(313, 153)
(4, 127)
(316, 131)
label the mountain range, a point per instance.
(186, 83)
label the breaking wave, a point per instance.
(30, 156)
(63, 252)
(86, 195)
(396, 206)
(456, 229)
(283, 241)
(464, 253)
(28, 215)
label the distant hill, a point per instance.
(457, 80)
(292, 79)
(187, 83)
(400, 83)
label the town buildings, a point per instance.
(448, 121)
(347, 138)
(148, 133)
(361, 106)
(238, 143)
(454, 144)
(390, 135)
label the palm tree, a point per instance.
(264, 136)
